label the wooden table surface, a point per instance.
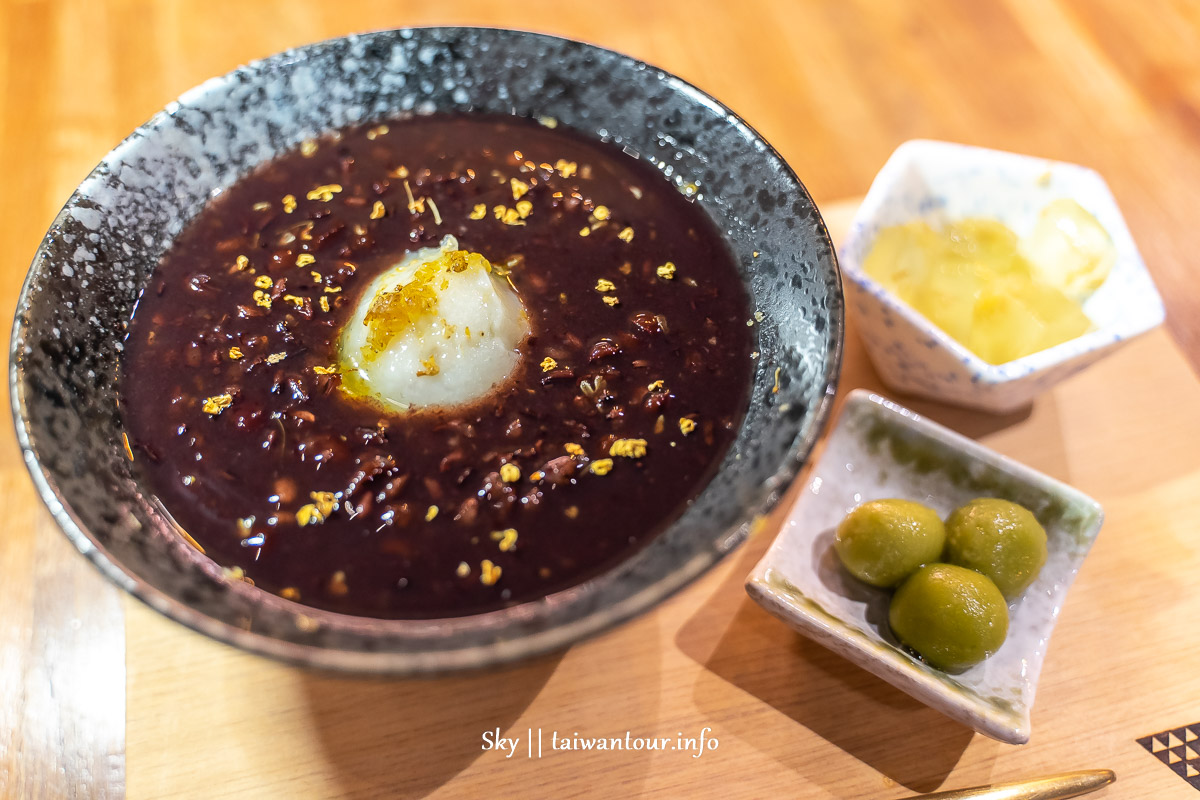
(99, 696)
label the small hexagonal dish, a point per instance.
(939, 182)
(879, 449)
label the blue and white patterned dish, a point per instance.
(939, 182)
(879, 449)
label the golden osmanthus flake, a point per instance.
(478, 212)
(306, 623)
(326, 502)
(628, 448)
(309, 514)
(585, 231)
(235, 352)
(625, 268)
(242, 262)
(775, 388)
(289, 203)
(489, 573)
(400, 172)
(289, 593)
(377, 131)
(666, 271)
(519, 188)
(686, 425)
(261, 298)
(316, 276)
(275, 358)
(611, 300)
(654, 387)
(337, 584)
(129, 452)
(759, 316)
(463, 569)
(325, 192)
(325, 370)
(333, 289)
(324, 303)
(510, 473)
(244, 526)
(305, 259)
(524, 208)
(601, 213)
(565, 168)
(512, 217)
(261, 205)
(536, 476)
(626, 235)
(605, 285)
(573, 449)
(430, 513)
(298, 302)
(217, 403)
(571, 512)
(507, 539)
(660, 424)
(601, 466)
(377, 210)
(264, 282)
(415, 205)
(755, 254)
(234, 573)
(308, 147)
(429, 368)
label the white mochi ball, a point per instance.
(440, 328)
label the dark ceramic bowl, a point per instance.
(98, 254)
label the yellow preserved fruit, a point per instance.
(976, 281)
(1070, 249)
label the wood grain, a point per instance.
(835, 85)
(62, 643)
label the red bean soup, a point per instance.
(628, 390)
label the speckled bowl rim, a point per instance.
(477, 655)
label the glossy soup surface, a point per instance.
(627, 393)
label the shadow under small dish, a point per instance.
(877, 450)
(101, 253)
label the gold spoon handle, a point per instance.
(1052, 787)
